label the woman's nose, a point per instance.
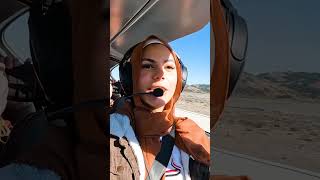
(158, 74)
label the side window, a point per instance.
(194, 51)
(15, 37)
(115, 73)
(273, 113)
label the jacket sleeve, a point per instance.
(198, 170)
(26, 172)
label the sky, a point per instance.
(194, 51)
(283, 35)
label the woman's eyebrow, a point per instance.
(154, 61)
(148, 59)
(169, 60)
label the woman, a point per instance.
(138, 125)
(5, 125)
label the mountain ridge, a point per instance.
(292, 85)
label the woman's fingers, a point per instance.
(7, 129)
(4, 128)
(8, 124)
(2, 131)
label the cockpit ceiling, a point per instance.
(8, 8)
(121, 11)
(132, 21)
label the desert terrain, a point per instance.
(275, 118)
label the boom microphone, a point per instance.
(158, 92)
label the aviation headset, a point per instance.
(238, 40)
(125, 72)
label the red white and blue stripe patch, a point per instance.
(175, 171)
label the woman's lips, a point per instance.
(153, 88)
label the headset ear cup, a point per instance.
(125, 73)
(184, 71)
(126, 78)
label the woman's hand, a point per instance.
(5, 129)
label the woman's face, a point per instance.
(158, 70)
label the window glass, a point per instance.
(274, 112)
(16, 37)
(194, 51)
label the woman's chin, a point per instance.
(154, 102)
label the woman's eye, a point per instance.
(170, 67)
(147, 66)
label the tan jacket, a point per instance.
(123, 163)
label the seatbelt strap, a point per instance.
(160, 164)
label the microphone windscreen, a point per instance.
(157, 92)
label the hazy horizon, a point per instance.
(283, 35)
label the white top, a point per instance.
(178, 167)
(175, 170)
